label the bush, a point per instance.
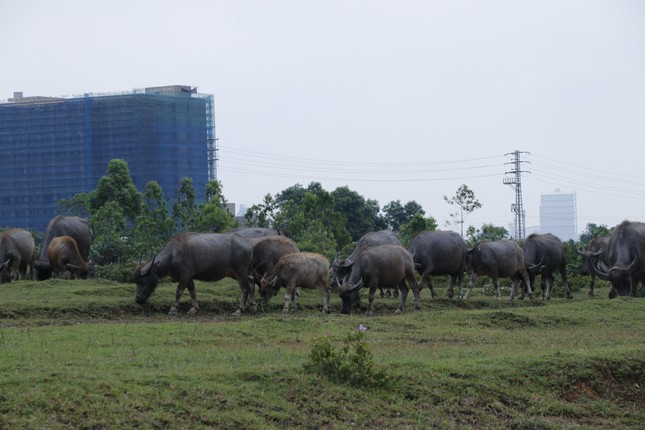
(118, 272)
(352, 364)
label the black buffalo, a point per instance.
(75, 227)
(202, 256)
(381, 266)
(543, 255)
(439, 253)
(17, 254)
(341, 268)
(625, 259)
(594, 255)
(498, 259)
(267, 251)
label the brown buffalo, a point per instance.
(75, 227)
(202, 256)
(65, 258)
(295, 271)
(17, 253)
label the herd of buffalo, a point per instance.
(262, 257)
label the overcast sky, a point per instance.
(399, 100)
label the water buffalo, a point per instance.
(267, 252)
(17, 253)
(499, 258)
(594, 255)
(64, 258)
(341, 268)
(439, 253)
(380, 266)
(543, 255)
(625, 256)
(75, 227)
(295, 271)
(202, 256)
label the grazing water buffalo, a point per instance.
(295, 271)
(75, 227)
(65, 258)
(381, 266)
(594, 255)
(202, 256)
(499, 258)
(439, 253)
(17, 253)
(341, 268)
(543, 255)
(625, 259)
(267, 252)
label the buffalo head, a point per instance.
(623, 279)
(147, 279)
(340, 270)
(43, 269)
(349, 295)
(268, 288)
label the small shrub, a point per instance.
(352, 364)
(118, 272)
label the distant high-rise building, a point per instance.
(53, 148)
(558, 215)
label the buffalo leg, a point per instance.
(563, 274)
(289, 297)
(498, 290)
(403, 296)
(592, 282)
(325, 292)
(245, 288)
(178, 293)
(193, 296)
(527, 282)
(473, 281)
(370, 305)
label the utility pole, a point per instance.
(515, 182)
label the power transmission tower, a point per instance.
(515, 182)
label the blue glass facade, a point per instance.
(53, 148)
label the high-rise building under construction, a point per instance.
(55, 147)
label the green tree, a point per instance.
(416, 225)
(396, 214)
(117, 186)
(185, 209)
(592, 230)
(294, 216)
(77, 205)
(212, 215)
(114, 206)
(154, 226)
(110, 245)
(361, 215)
(487, 232)
(262, 214)
(465, 202)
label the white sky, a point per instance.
(398, 100)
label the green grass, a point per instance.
(82, 354)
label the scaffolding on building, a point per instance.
(56, 147)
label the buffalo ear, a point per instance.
(345, 263)
(473, 249)
(70, 266)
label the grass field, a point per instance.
(82, 354)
